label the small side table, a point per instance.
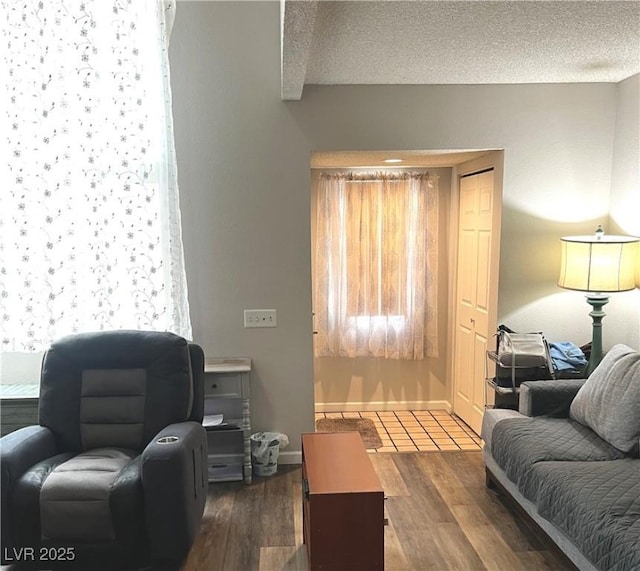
(227, 393)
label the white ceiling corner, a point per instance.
(457, 42)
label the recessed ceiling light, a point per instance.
(392, 161)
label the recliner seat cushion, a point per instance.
(74, 499)
(94, 497)
(609, 401)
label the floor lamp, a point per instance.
(599, 265)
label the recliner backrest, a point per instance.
(114, 388)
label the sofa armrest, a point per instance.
(174, 481)
(550, 398)
(19, 451)
(490, 418)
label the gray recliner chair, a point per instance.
(116, 471)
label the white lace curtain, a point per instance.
(89, 213)
(376, 265)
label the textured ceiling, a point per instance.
(457, 42)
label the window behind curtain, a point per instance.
(89, 213)
(376, 265)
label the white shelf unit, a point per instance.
(227, 392)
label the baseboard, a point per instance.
(291, 457)
(377, 406)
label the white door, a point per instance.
(475, 316)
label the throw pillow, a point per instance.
(609, 401)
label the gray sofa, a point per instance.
(569, 459)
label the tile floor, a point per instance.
(418, 430)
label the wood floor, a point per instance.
(441, 517)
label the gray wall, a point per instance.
(243, 167)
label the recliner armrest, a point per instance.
(174, 481)
(19, 451)
(22, 449)
(550, 398)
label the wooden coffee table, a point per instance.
(342, 504)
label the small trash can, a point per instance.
(265, 448)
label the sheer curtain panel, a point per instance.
(376, 265)
(89, 212)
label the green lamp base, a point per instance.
(597, 301)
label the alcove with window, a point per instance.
(379, 290)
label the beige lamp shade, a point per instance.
(599, 264)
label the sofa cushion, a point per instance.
(609, 402)
(518, 443)
(597, 505)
